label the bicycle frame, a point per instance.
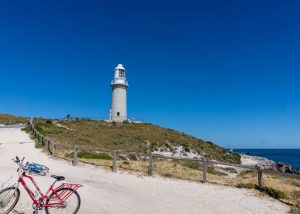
(59, 199)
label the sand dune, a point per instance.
(108, 193)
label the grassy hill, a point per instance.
(8, 119)
(126, 136)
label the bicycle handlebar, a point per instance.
(18, 161)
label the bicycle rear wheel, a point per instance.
(9, 197)
(72, 202)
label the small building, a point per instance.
(118, 109)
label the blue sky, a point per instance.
(224, 71)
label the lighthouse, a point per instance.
(118, 110)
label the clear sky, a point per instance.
(224, 71)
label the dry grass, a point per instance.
(98, 134)
(8, 119)
(128, 137)
(193, 172)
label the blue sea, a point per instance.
(290, 156)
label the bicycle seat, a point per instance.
(58, 178)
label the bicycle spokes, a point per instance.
(8, 199)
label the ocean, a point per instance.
(290, 156)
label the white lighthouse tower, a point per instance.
(118, 110)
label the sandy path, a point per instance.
(106, 192)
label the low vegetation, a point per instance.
(230, 170)
(278, 187)
(246, 185)
(132, 137)
(91, 155)
(272, 192)
(142, 138)
(8, 119)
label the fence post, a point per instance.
(53, 150)
(46, 145)
(114, 161)
(260, 176)
(204, 170)
(150, 169)
(74, 162)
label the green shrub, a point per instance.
(49, 121)
(246, 172)
(246, 185)
(209, 142)
(212, 170)
(125, 122)
(90, 155)
(191, 164)
(26, 129)
(39, 128)
(274, 193)
(230, 169)
(185, 145)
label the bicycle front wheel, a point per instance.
(71, 206)
(9, 197)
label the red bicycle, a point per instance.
(62, 199)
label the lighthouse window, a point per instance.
(118, 114)
(121, 73)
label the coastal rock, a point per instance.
(264, 163)
(297, 171)
(285, 168)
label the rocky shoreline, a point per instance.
(249, 160)
(267, 164)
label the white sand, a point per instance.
(106, 192)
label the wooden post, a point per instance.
(150, 168)
(53, 150)
(204, 170)
(74, 162)
(46, 145)
(260, 176)
(114, 161)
